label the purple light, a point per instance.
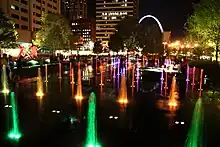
(187, 73)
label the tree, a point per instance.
(150, 39)
(97, 47)
(115, 43)
(8, 33)
(127, 33)
(204, 24)
(55, 33)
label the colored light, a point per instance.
(4, 79)
(14, 134)
(195, 134)
(91, 139)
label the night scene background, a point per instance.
(99, 78)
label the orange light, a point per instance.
(78, 97)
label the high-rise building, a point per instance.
(26, 14)
(109, 13)
(74, 9)
(84, 28)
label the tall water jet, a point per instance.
(132, 81)
(60, 71)
(166, 86)
(193, 76)
(4, 78)
(14, 133)
(79, 95)
(123, 99)
(91, 137)
(195, 134)
(187, 73)
(101, 76)
(46, 73)
(173, 103)
(72, 76)
(40, 92)
(70, 69)
(200, 83)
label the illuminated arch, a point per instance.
(151, 16)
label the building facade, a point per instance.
(26, 15)
(74, 9)
(84, 28)
(109, 13)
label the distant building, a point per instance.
(166, 36)
(26, 14)
(84, 28)
(74, 9)
(109, 13)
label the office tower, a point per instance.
(74, 9)
(26, 14)
(109, 13)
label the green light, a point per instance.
(14, 134)
(195, 134)
(91, 139)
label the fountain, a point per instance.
(200, 83)
(72, 76)
(187, 73)
(70, 69)
(132, 82)
(79, 95)
(40, 92)
(4, 78)
(123, 99)
(91, 137)
(195, 134)
(46, 73)
(193, 77)
(101, 76)
(60, 68)
(14, 133)
(173, 103)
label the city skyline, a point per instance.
(172, 14)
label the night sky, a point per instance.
(171, 13)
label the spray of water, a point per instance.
(91, 139)
(195, 134)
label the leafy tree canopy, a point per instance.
(55, 33)
(8, 33)
(204, 24)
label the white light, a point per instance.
(151, 16)
(6, 106)
(13, 7)
(176, 122)
(54, 111)
(182, 123)
(116, 117)
(110, 117)
(58, 111)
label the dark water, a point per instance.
(141, 123)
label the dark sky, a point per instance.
(171, 13)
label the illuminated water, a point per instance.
(4, 79)
(195, 134)
(14, 133)
(91, 136)
(40, 90)
(173, 94)
(123, 98)
(79, 95)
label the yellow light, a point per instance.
(196, 45)
(78, 97)
(5, 91)
(39, 94)
(123, 101)
(172, 104)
